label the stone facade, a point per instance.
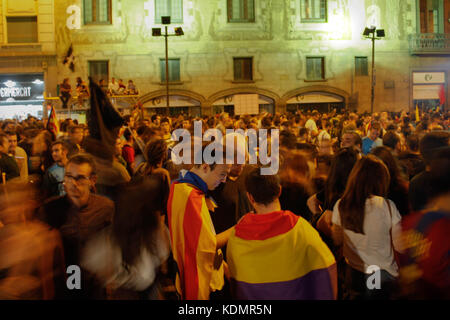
(278, 41)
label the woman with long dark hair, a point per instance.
(364, 221)
(398, 186)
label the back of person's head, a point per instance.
(433, 142)
(287, 139)
(266, 122)
(341, 165)
(391, 139)
(412, 142)
(439, 173)
(385, 155)
(137, 218)
(264, 189)
(127, 134)
(361, 186)
(156, 151)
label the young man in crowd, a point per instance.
(75, 139)
(19, 154)
(274, 254)
(372, 140)
(166, 131)
(54, 176)
(195, 245)
(8, 164)
(312, 126)
(79, 215)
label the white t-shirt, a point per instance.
(374, 247)
(323, 135)
(311, 125)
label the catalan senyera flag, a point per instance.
(279, 256)
(193, 239)
(52, 123)
(417, 113)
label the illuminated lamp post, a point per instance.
(156, 32)
(373, 34)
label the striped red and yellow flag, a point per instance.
(193, 240)
(280, 256)
(53, 124)
(417, 113)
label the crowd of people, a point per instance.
(359, 209)
(113, 88)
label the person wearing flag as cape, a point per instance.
(274, 254)
(195, 245)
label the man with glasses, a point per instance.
(78, 215)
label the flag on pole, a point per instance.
(417, 113)
(52, 123)
(442, 95)
(104, 122)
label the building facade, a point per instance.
(280, 55)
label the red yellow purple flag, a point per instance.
(193, 240)
(279, 256)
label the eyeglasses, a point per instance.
(78, 179)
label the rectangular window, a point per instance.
(22, 29)
(99, 70)
(313, 10)
(361, 66)
(172, 8)
(241, 10)
(243, 69)
(97, 11)
(315, 68)
(174, 70)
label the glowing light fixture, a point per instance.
(10, 84)
(373, 34)
(37, 81)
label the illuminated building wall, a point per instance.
(284, 38)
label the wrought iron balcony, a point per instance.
(429, 43)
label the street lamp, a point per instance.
(156, 32)
(373, 34)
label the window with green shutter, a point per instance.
(241, 10)
(97, 11)
(174, 70)
(315, 68)
(243, 69)
(313, 10)
(361, 66)
(172, 8)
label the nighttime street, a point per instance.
(225, 151)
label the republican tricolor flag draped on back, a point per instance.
(279, 256)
